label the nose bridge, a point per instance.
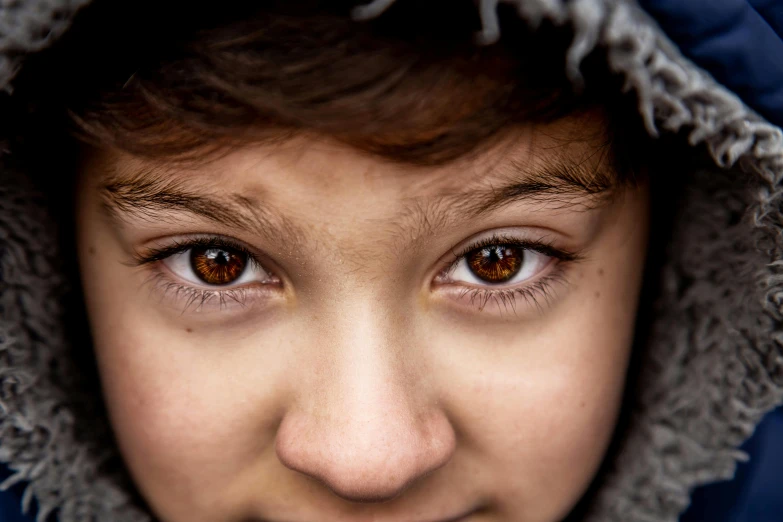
(365, 426)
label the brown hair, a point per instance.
(411, 85)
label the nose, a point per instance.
(365, 426)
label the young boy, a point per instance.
(341, 270)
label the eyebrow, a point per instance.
(151, 193)
(560, 179)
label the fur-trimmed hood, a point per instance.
(713, 360)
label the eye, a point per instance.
(498, 264)
(215, 266)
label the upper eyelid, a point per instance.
(159, 253)
(540, 245)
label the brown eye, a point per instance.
(217, 266)
(496, 263)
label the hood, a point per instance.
(712, 358)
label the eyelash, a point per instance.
(542, 289)
(480, 297)
(190, 294)
(159, 254)
(200, 296)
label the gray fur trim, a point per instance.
(713, 367)
(715, 364)
(27, 26)
(51, 433)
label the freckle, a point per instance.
(91, 250)
(582, 404)
(597, 295)
(600, 271)
(189, 330)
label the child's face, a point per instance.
(374, 364)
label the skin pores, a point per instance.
(359, 369)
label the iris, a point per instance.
(217, 266)
(496, 263)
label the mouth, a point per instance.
(463, 517)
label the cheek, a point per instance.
(176, 424)
(194, 410)
(539, 400)
(175, 412)
(542, 418)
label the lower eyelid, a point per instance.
(538, 294)
(192, 298)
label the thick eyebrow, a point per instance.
(151, 194)
(560, 179)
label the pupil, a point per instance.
(496, 263)
(220, 257)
